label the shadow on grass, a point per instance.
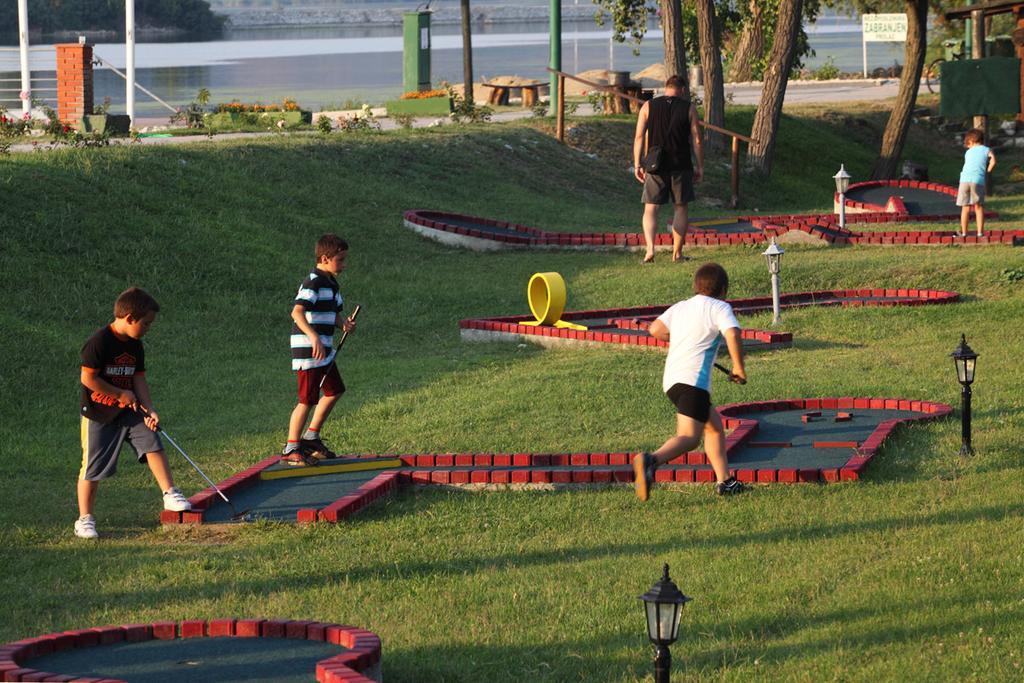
(620, 656)
(365, 569)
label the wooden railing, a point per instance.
(736, 137)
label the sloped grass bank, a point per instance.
(917, 569)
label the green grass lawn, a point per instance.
(916, 572)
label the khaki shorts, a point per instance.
(970, 194)
(677, 186)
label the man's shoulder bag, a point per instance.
(653, 160)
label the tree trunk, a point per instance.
(776, 77)
(467, 54)
(750, 46)
(672, 29)
(711, 62)
(899, 120)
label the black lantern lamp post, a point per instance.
(964, 357)
(842, 179)
(664, 604)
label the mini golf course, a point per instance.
(787, 441)
(796, 440)
(898, 202)
(223, 650)
(628, 326)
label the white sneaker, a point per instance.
(85, 527)
(175, 501)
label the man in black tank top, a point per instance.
(669, 122)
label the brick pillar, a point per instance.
(74, 82)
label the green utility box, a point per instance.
(416, 51)
(975, 87)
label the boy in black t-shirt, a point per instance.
(114, 392)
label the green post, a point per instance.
(556, 53)
(416, 51)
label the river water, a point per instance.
(340, 67)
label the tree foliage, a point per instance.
(192, 16)
(629, 19)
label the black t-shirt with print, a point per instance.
(117, 361)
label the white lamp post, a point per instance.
(774, 255)
(842, 179)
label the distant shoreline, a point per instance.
(250, 18)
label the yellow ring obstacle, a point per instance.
(546, 295)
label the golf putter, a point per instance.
(344, 335)
(729, 374)
(235, 514)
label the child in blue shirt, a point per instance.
(978, 160)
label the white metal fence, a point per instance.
(42, 61)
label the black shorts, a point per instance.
(690, 401)
(675, 186)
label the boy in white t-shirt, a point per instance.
(694, 329)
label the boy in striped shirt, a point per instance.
(315, 316)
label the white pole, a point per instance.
(129, 58)
(864, 46)
(611, 55)
(775, 299)
(26, 74)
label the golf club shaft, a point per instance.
(195, 466)
(344, 336)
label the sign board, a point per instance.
(882, 28)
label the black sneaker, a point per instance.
(299, 458)
(643, 475)
(317, 449)
(729, 487)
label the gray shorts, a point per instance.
(101, 444)
(677, 186)
(970, 194)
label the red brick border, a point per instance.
(364, 647)
(634, 318)
(202, 500)
(824, 227)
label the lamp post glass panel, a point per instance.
(774, 255)
(663, 604)
(842, 179)
(964, 358)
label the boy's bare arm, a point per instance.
(299, 316)
(735, 343)
(151, 419)
(658, 331)
(92, 381)
(991, 161)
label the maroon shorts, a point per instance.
(309, 383)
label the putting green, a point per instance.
(196, 660)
